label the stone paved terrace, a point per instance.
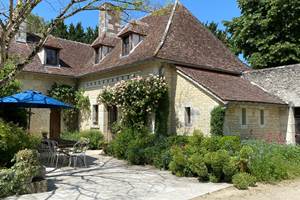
(109, 178)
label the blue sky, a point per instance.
(204, 10)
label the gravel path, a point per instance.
(286, 190)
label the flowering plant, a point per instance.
(136, 98)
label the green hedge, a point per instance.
(96, 137)
(15, 180)
(12, 140)
(217, 120)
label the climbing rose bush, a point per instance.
(137, 98)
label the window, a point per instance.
(126, 45)
(262, 117)
(130, 42)
(51, 56)
(187, 116)
(97, 55)
(112, 116)
(244, 117)
(95, 115)
(101, 52)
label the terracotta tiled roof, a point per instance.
(173, 36)
(230, 87)
(145, 50)
(189, 42)
(107, 40)
(73, 56)
(134, 27)
(176, 37)
(53, 42)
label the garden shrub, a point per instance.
(232, 144)
(197, 166)
(178, 165)
(95, 137)
(243, 180)
(230, 168)
(136, 151)
(274, 162)
(118, 147)
(217, 120)
(12, 140)
(15, 180)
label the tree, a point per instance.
(267, 32)
(61, 30)
(220, 34)
(79, 33)
(35, 24)
(71, 32)
(11, 20)
(91, 34)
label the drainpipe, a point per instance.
(291, 126)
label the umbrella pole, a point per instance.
(29, 120)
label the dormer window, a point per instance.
(130, 42)
(126, 45)
(101, 52)
(51, 56)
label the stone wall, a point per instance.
(40, 119)
(94, 84)
(275, 127)
(187, 94)
(282, 81)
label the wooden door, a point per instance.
(55, 118)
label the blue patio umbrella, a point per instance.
(32, 99)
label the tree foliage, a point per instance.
(137, 99)
(76, 32)
(9, 113)
(220, 34)
(217, 120)
(74, 97)
(35, 24)
(267, 32)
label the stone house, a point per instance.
(200, 71)
(284, 82)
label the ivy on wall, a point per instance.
(137, 99)
(217, 120)
(73, 96)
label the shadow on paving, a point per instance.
(109, 178)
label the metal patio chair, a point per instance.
(78, 151)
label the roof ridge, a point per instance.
(272, 68)
(70, 40)
(163, 39)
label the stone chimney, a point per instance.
(21, 36)
(109, 20)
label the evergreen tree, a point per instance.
(90, 35)
(71, 32)
(61, 30)
(79, 33)
(220, 34)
